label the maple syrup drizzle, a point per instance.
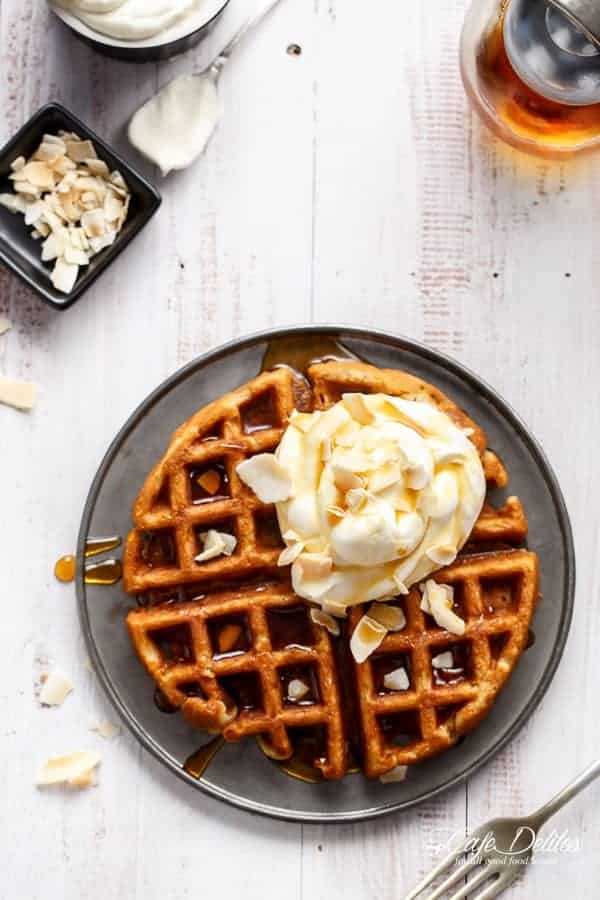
(104, 573)
(298, 768)
(299, 351)
(65, 568)
(96, 546)
(197, 764)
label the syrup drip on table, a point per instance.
(64, 569)
(108, 572)
(197, 764)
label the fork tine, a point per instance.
(441, 867)
(495, 888)
(455, 876)
(484, 874)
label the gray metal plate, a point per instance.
(240, 774)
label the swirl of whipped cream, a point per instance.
(384, 492)
(129, 20)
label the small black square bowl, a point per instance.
(20, 252)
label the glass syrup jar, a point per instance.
(531, 69)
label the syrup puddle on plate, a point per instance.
(197, 764)
(298, 352)
(106, 572)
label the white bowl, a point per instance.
(174, 40)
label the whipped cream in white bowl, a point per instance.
(376, 493)
(139, 29)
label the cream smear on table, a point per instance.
(130, 20)
(174, 127)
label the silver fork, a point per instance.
(497, 852)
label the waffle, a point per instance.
(495, 594)
(187, 604)
(172, 510)
(227, 664)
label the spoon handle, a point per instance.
(588, 775)
(251, 23)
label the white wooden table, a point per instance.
(349, 184)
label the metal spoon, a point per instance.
(175, 126)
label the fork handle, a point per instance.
(562, 798)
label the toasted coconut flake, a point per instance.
(356, 498)
(73, 769)
(303, 421)
(391, 617)
(400, 586)
(443, 660)
(216, 543)
(34, 212)
(54, 246)
(38, 174)
(320, 617)
(12, 203)
(345, 479)
(326, 449)
(397, 680)
(5, 325)
(18, 394)
(334, 608)
(55, 689)
(265, 475)
(76, 257)
(106, 730)
(80, 151)
(356, 405)
(64, 276)
(98, 167)
(94, 223)
(438, 600)
(113, 207)
(366, 638)
(291, 553)
(313, 566)
(48, 153)
(395, 775)
(26, 188)
(297, 690)
(385, 477)
(99, 243)
(442, 555)
(18, 164)
(55, 139)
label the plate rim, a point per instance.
(400, 342)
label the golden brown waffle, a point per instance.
(495, 594)
(172, 510)
(195, 488)
(227, 663)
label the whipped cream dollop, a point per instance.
(384, 491)
(130, 20)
